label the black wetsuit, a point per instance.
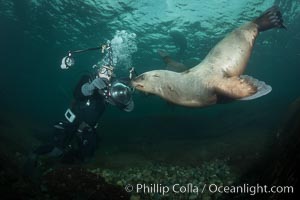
(77, 139)
(87, 108)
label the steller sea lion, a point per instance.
(219, 76)
(171, 64)
(180, 41)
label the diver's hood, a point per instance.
(120, 93)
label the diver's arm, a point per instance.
(126, 108)
(77, 93)
(129, 107)
(88, 89)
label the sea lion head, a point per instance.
(148, 82)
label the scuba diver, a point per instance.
(75, 137)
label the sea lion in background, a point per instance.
(180, 41)
(171, 64)
(219, 75)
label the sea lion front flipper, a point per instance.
(261, 87)
(242, 88)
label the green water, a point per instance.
(36, 34)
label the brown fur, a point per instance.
(217, 76)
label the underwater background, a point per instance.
(156, 137)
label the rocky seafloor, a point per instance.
(184, 182)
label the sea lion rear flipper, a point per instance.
(242, 88)
(271, 18)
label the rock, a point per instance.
(193, 196)
(135, 197)
(82, 184)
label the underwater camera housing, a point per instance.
(120, 93)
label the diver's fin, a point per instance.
(30, 166)
(242, 88)
(271, 18)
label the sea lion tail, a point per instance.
(271, 18)
(262, 87)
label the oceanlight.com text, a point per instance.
(211, 188)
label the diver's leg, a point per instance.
(87, 142)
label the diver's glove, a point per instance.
(87, 89)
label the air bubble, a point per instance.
(123, 46)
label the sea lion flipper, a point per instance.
(171, 64)
(271, 18)
(234, 87)
(261, 87)
(242, 88)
